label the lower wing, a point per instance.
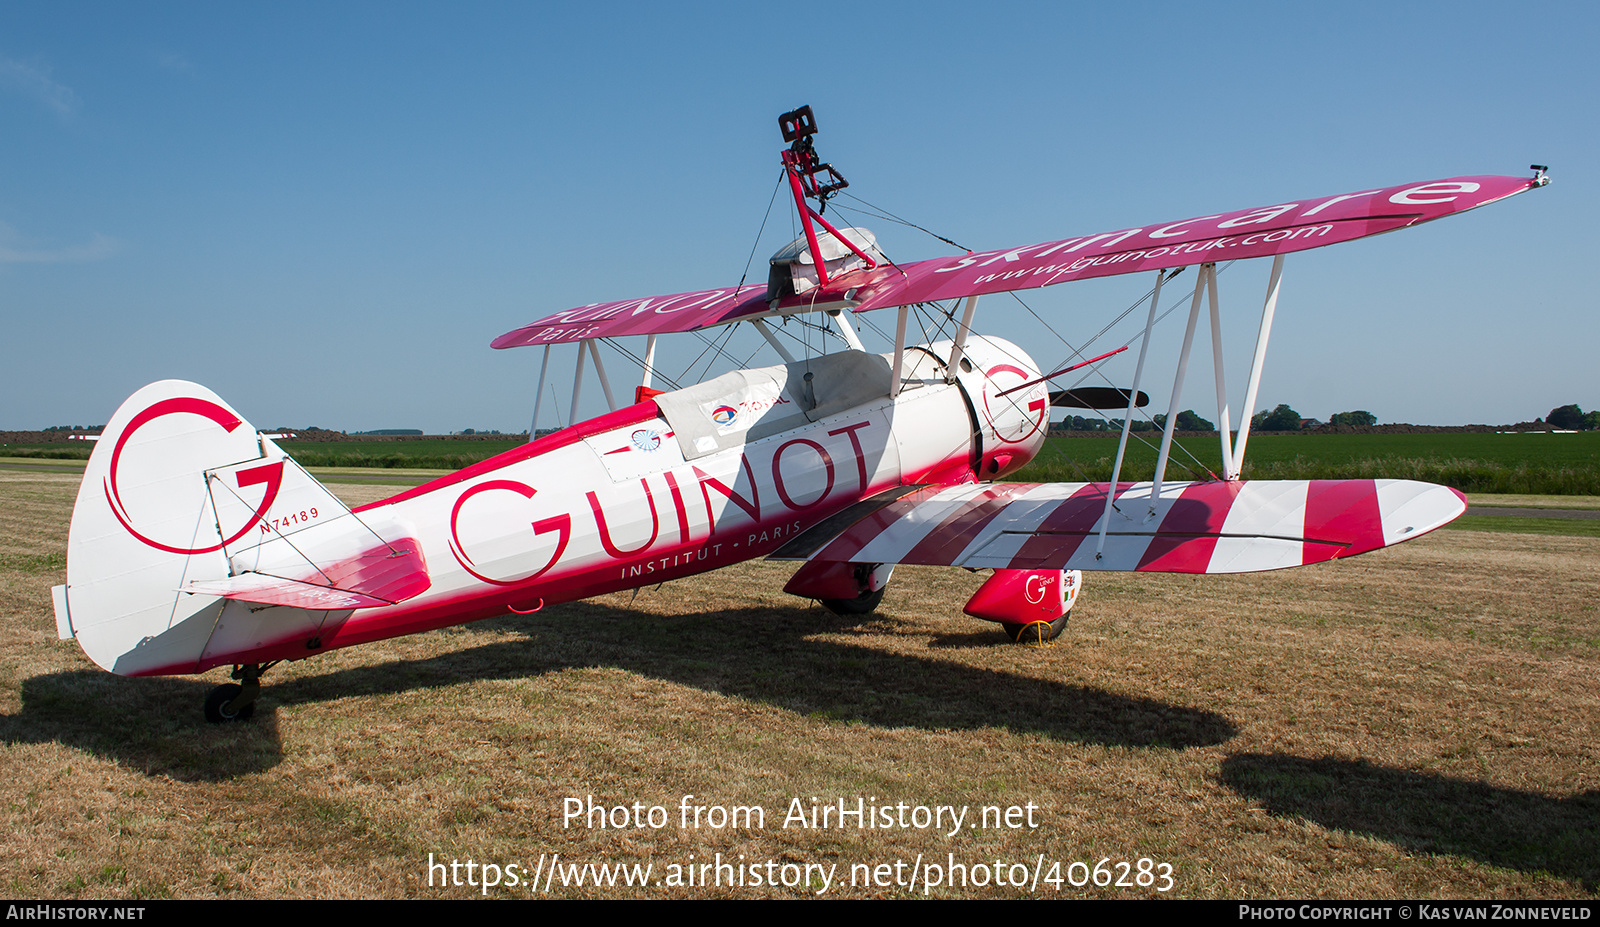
(1210, 527)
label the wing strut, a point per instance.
(577, 381)
(1232, 451)
(538, 394)
(1262, 334)
(899, 350)
(772, 339)
(846, 330)
(1206, 270)
(599, 368)
(1127, 418)
(649, 360)
(961, 337)
(1224, 426)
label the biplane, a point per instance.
(196, 542)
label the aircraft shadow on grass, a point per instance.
(763, 654)
(1429, 813)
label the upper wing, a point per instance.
(652, 315)
(1246, 233)
(1213, 527)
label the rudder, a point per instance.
(185, 514)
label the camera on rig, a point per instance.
(798, 126)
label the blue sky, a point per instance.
(324, 212)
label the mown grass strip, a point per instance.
(1517, 501)
(1469, 476)
(1512, 524)
(34, 564)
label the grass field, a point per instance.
(1561, 464)
(1558, 464)
(1586, 528)
(1417, 722)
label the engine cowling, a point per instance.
(1012, 422)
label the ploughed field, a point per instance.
(1416, 722)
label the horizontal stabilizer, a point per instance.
(1212, 527)
(261, 589)
(383, 575)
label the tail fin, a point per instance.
(196, 542)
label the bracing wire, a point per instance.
(711, 344)
(882, 213)
(759, 232)
(923, 313)
(639, 361)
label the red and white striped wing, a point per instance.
(1213, 527)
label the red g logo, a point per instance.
(271, 474)
(561, 524)
(1014, 418)
(1036, 587)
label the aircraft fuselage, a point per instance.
(688, 482)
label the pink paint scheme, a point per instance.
(382, 575)
(1264, 231)
(1024, 598)
(196, 542)
(551, 522)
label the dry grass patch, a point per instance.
(1416, 722)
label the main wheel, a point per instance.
(1036, 632)
(863, 604)
(217, 705)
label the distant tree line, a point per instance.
(1187, 421)
(1359, 417)
(1572, 418)
(1283, 418)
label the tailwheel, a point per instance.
(219, 705)
(1036, 632)
(236, 702)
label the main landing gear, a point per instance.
(846, 589)
(870, 580)
(230, 702)
(864, 604)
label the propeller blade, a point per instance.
(1095, 397)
